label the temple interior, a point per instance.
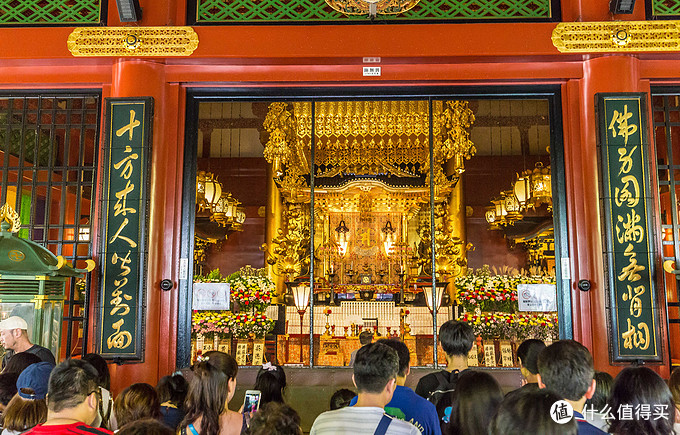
(349, 193)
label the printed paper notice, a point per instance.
(537, 297)
(211, 296)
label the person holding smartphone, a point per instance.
(210, 390)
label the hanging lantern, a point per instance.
(541, 187)
(490, 214)
(512, 206)
(521, 189)
(208, 190)
(388, 236)
(500, 211)
(224, 212)
(342, 237)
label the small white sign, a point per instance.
(537, 297)
(566, 268)
(371, 60)
(183, 268)
(211, 296)
(371, 71)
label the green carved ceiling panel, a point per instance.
(14, 12)
(222, 11)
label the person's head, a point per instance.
(22, 414)
(13, 332)
(603, 387)
(375, 370)
(529, 413)
(172, 389)
(275, 419)
(635, 386)
(73, 391)
(8, 388)
(566, 367)
(271, 381)
(207, 398)
(475, 401)
(527, 353)
(402, 352)
(365, 337)
(342, 398)
(674, 385)
(20, 361)
(227, 364)
(102, 368)
(28, 407)
(136, 402)
(145, 426)
(456, 338)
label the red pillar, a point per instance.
(141, 78)
(616, 73)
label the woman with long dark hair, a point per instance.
(206, 401)
(271, 381)
(636, 386)
(474, 404)
(231, 422)
(172, 390)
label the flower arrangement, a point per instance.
(497, 292)
(212, 276)
(513, 326)
(208, 322)
(244, 324)
(252, 289)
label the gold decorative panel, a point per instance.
(617, 36)
(132, 41)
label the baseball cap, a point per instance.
(14, 322)
(36, 377)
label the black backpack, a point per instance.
(446, 384)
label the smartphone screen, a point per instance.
(252, 401)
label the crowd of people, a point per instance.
(561, 394)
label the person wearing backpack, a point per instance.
(405, 404)
(456, 339)
(375, 376)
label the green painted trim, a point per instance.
(222, 11)
(50, 12)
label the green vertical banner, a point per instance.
(629, 249)
(124, 208)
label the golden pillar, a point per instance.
(273, 220)
(456, 215)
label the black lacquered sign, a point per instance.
(124, 208)
(627, 205)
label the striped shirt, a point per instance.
(358, 421)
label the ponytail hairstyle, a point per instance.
(271, 381)
(207, 398)
(222, 361)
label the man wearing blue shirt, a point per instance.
(405, 403)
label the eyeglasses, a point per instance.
(97, 392)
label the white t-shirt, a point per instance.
(358, 421)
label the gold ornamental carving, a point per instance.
(367, 137)
(159, 41)
(617, 36)
(9, 215)
(362, 7)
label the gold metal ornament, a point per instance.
(9, 215)
(362, 7)
(162, 41)
(367, 137)
(617, 36)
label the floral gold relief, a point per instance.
(132, 41)
(617, 36)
